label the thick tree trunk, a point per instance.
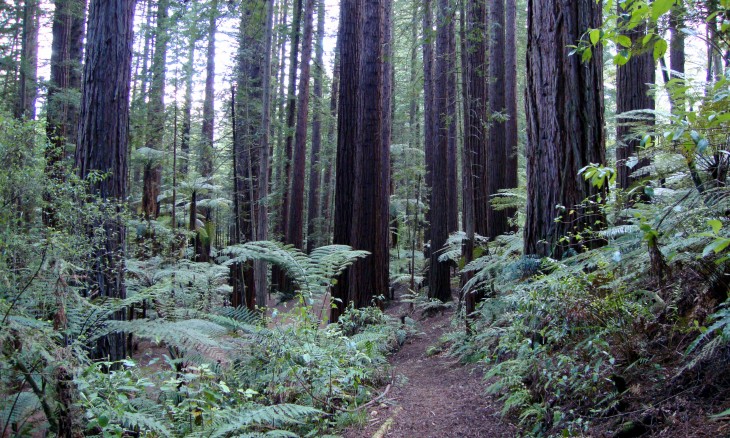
(152, 179)
(347, 132)
(633, 82)
(369, 277)
(452, 195)
(103, 141)
(438, 280)
(565, 126)
(294, 235)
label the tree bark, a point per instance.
(62, 114)
(27, 86)
(369, 277)
(152, 179)
(314, 228)
(206, 147)
(496, 147)
(294, 235)
(565, 126)
(347, 132)
(633, 85)
(102, 145)
(510, 92)
(438, 280)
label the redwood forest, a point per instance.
(364, 218)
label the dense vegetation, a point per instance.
(188, 251)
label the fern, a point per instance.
(275, 415)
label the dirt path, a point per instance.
(436, 396)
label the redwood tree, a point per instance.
(633, 86)
(438, 279)
(347, 121)
(102, 145)
(294, 232)
(565, 128)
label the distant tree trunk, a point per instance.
(452, 195)
(188, 72)
(152, 179)
(102, 145)
(369, 277)
(62, 112)
(328, 184)
(277, 275)
(510, 94)
(347, 132)
(414, 140)
(294, 235)
(476, 121)
(560, 141)
(386, 178)
(676, 48)
(291, 112)
(497, 146)
(262, 218)
(206, 147)
(28, 87)
(429, 111)
(438, 280)
(314, 229)
(633, 82)
(473, 90)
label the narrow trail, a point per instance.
(433, 396)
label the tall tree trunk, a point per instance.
(206, 147)
(633, 85)
(102, 145)
(438, 280)
(565, 127)
(677, 48)
(188, 72)
(369, 277)
(62, 113)
(277, 275)
(496, 147)
(328, 180)
(429, 111)
(152, 179)
(262, 218)
(294, 235)
(387, 131)
(314, 228)
(452, 162)
(347, 133)
(28, 87)
(510, 95)
(476, 120)
(291, 112)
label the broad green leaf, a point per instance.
(623, 40)
(595, 36)
(660, 7)
(716, 246)
(715, 224)
(660, 48)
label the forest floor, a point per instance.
(432, 395)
